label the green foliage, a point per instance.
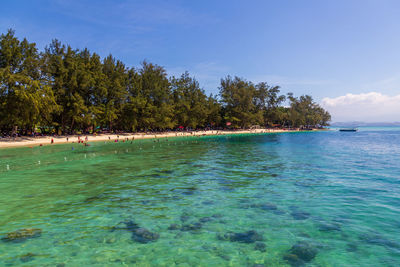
(65, 90)
(305, 112)
(190, 102)
(239, 99)
(25, 96)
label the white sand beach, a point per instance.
(47, 140)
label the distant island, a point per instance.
(364, 124)
(62, 90)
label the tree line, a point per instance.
(65, 90)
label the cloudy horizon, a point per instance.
(365, 107)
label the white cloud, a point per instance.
(368, 107)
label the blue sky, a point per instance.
(338, 51)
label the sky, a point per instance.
(345, 53)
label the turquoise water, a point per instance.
(290, 199)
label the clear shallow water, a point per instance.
(336, 192)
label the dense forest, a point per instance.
(64, 90)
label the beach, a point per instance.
(46, 140)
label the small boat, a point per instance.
(348, 130)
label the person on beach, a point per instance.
(52, 140)
(86, 138)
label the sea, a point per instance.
(320, 198)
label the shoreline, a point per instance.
(46, 140)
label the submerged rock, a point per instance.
(300, 215)
(351, 247)
(94, 198)
(205, 219)
(246, 237)
(27, 257)
(192, 226)
(279, 212)
(131, 226)
(189, 191)
(174, 226)
(293, 260)
(327, 227)
(260, 246)
(22, 235)
(185, 216)
(139, 234)
(142, 235)
(379, 240)
(265, 206)
(300, 253)
(167, 171)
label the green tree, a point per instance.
(304, 112)
(269, 100)
(115, 83)
(239, 102)
(214, 117)
(157, 113)
(24, 94)
(190, 102)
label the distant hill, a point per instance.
(361, 124)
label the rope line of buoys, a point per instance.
(84, 143)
